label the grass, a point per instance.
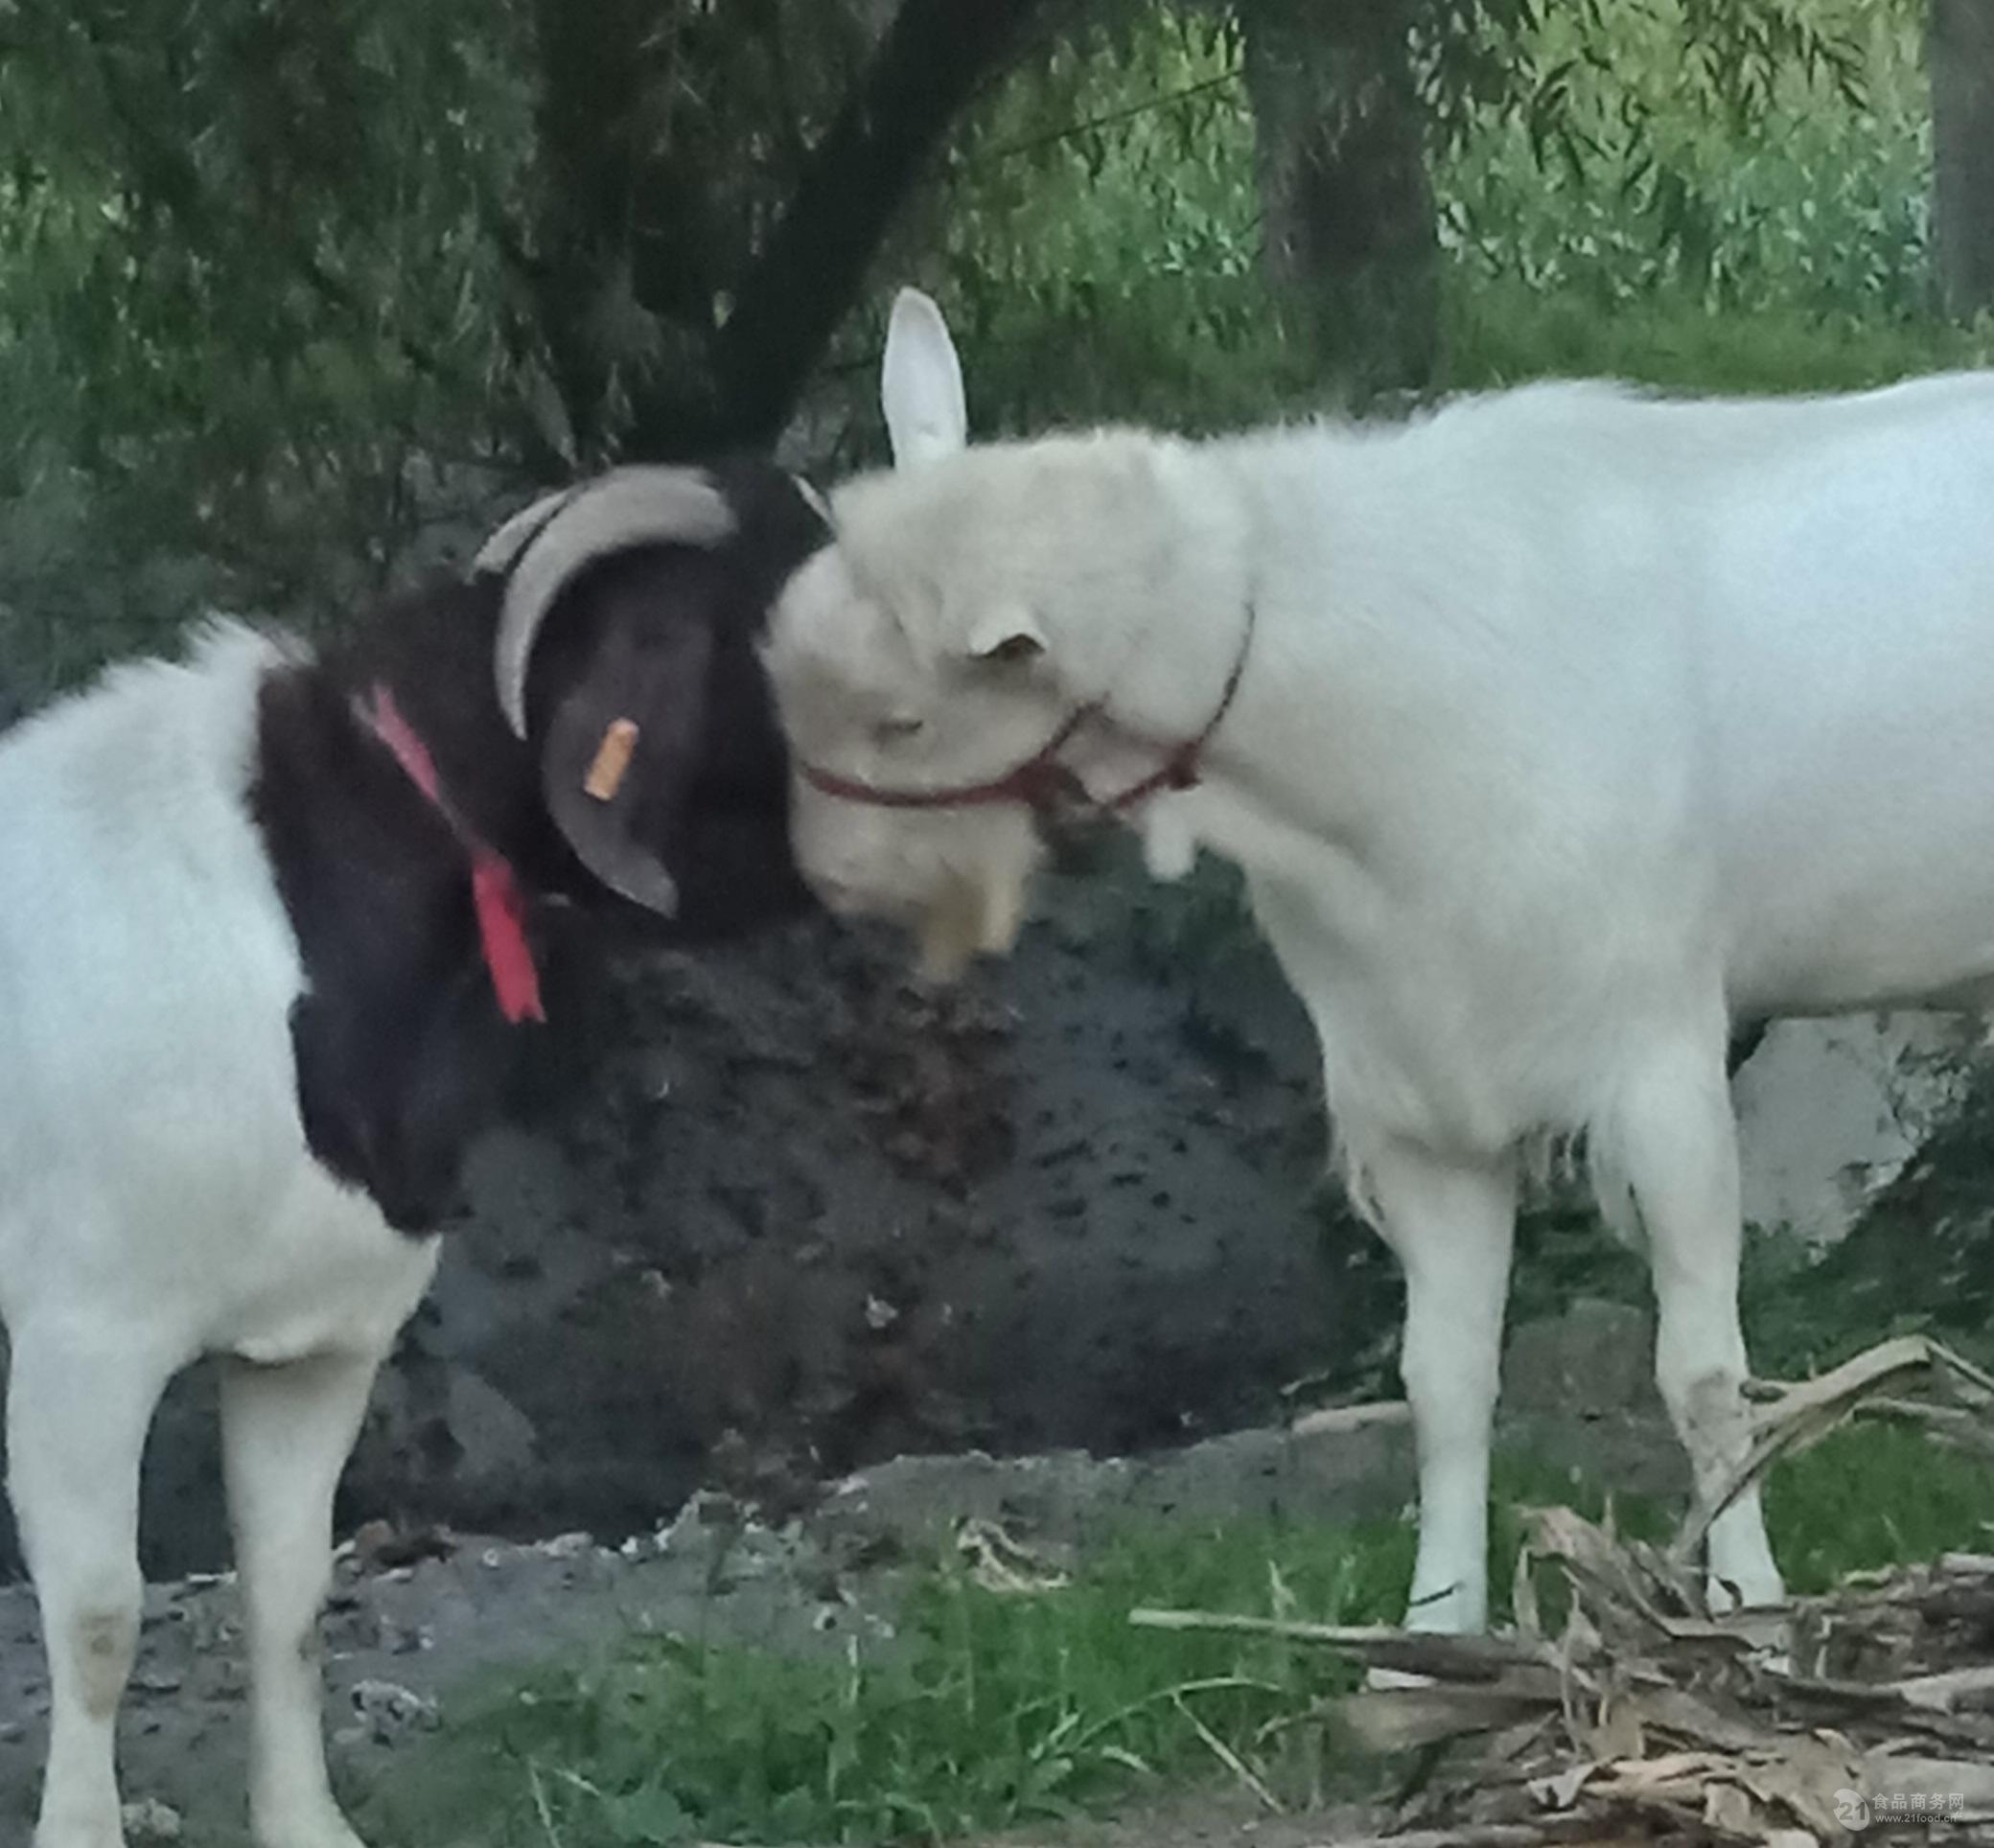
(984, 1710)
(1503, 332)
(988, 1711)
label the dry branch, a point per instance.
(1649, 1721)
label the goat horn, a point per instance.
(813, 498)
(502, 551)
(630, 507)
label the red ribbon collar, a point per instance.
(1042, 782)
(495, 892)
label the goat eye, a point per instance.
(897, 732)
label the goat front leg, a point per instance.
(78, 1406)
(286, 1433)
(1452, 1224)
(1677, 1140)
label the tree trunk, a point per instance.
(590, 105)
(803, 282)
(628, 268)
(1959, 56)
(1351, 234)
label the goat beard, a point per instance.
(970, 915)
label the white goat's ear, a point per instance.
(920, 383)
(1007, 637)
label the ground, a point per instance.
(420, 1623)
(768, 1217)
(766, 1214)
(768, 1220)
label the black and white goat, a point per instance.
(267, 920)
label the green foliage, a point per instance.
(1506, 332)
(1703, 194)
(283, 287)
(244, 284)
(1743, 158)
(1095, 241)
(280, 287)
(1875, 1495)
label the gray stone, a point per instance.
(1830, 1111)
(1594, 1359)
(448, 1414)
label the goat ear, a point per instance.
(1007, 637)
(920, 383)
(618, 752)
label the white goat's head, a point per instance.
(921, 663)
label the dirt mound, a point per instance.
(767, 1214)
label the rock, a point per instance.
(1830, 1111)
(387, 1711)
(370, 1540)
(380, 1546)
(152, 1821)
(1595, 1359)
(451, 1423)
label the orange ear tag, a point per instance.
(612, 763)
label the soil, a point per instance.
(765, 1216)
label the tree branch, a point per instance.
(926, 68)
(1113, 119)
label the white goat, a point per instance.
(1554, 732)
(263, 926)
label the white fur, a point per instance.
(1577, 724)
(157, 1203)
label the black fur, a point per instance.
(398, 1040)
(402, 1052)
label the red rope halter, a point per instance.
(1043, 783)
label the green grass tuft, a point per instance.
(1875, 1495)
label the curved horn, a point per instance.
(813, 498)
(628, 507)
(502, 551)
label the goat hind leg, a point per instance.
(1677, 1140)
(77, 1413)
(286, 1433)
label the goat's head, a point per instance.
(626, 658)
(930, 653)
